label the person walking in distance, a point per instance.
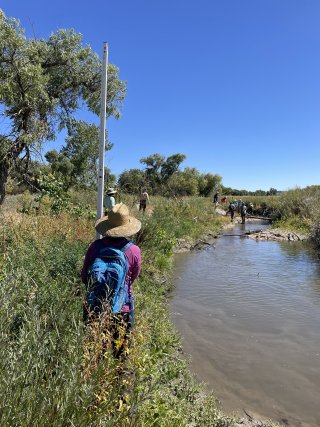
(216, 199)
(144, 200)
(231, 210)
(243, 212)
(110, 267)
(239, 207)
(109, 200)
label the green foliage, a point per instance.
(162, 176)
(293, 223)
(42, 84)
(297, 209)
(53, 188)
(52, 369)
(131, 181)
(228, 191)
(154, 164)
(61, 167)
(184, 183)
(109, 178)
(272, 191)
(83, 197)
(26, 203)
(164, 241)
(40, 323)
(208, 183)
(82, 211)
(171, 165)
(159, 169)
(82, 150)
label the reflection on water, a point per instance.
(249, 315)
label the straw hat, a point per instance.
(111, 191)
(118, 223)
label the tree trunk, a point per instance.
(4, 173)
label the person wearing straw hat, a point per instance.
(109, 200)
(116, 228)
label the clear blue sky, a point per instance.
(233, 84)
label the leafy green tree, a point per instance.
(184, 183)
(76, 164)
(272, 191)
(109, 178)
(159, 169)
(154, 165)
(208, 183)
(42, 84)
(82, 150)
(227, 191)
(61, 167)
(171, 165)
(131, 181)
(22, 179)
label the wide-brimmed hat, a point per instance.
(118, 223)
(111, 191)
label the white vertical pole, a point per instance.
(104, 80)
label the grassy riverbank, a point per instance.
(52, 370)
(296, 210)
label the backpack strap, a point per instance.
(126, 246)
(123, 249)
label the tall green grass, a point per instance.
(53, 370)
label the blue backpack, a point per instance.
(107, 280)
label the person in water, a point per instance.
(231, 210)
(243, 212)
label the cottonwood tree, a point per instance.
(184, 183)
(160, 168)
(153, 165)
(131, 181)
(42, 84)
(171, 165)
(61, 167)
(209, 183)
(76, 163)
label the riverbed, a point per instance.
(249, 316)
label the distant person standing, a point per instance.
(224, 200)
(109, 200)
(243, 212)
(231, 210)
(216, 199)
(144, 200)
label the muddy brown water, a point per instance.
(249, 316)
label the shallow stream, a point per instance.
(249, 316)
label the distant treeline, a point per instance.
(75, 167)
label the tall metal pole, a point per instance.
(104, 80)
